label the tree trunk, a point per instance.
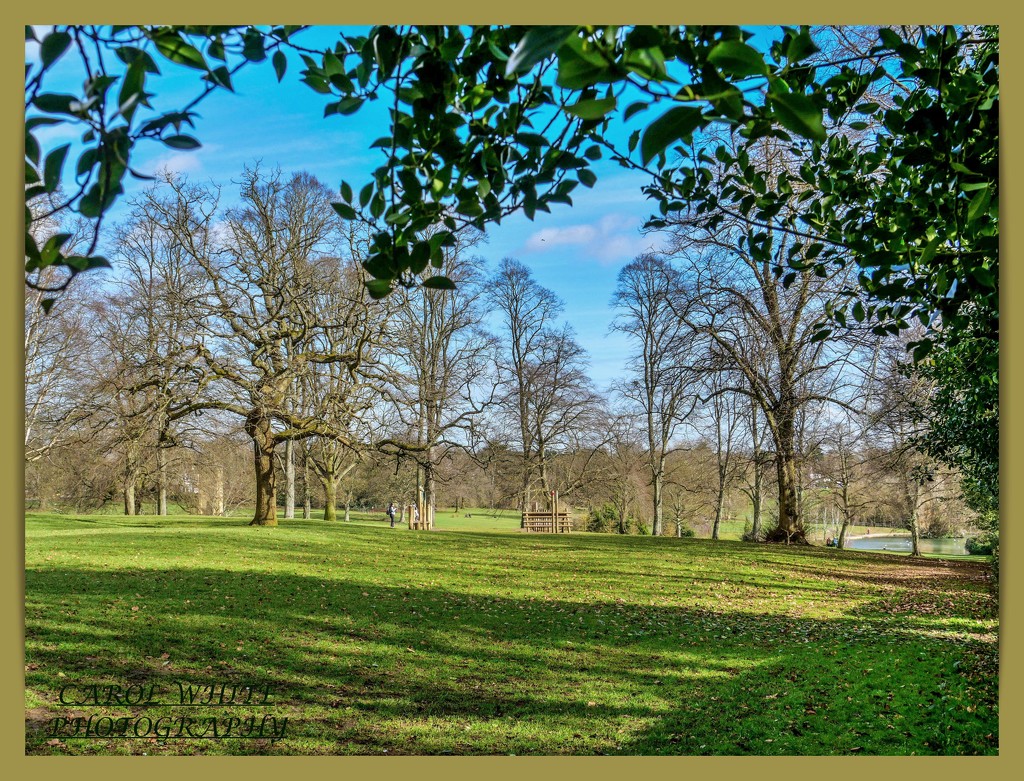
(289, 477)
(790, 528)
(330, 483)
(348, 505)
(258, 428)
(129, 495)
(161, 479)
(756, 500)
(307, 504)
(429, 498)
(659, 500)
(218, 493)
(718, 506)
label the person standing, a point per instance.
(391, 514)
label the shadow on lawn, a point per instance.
(362, 668)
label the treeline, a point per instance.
(237, 360)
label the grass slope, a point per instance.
(376, 640)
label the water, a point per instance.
(953, 546)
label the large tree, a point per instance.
(544, 391)
(763, 333)
(442, 381)
(661, 365)
(262, 271)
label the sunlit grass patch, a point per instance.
(379, 641)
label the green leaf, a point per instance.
(221, 76)
(131, 90)
(634, 139)
(633, 108)
(929, 251)
(280, 63)
(129, 55)
(365, 195)
(86, 161)
(800, 47)
(738, 59)
(53, 46)
(419, 257)
(378, 288)
(592, 109)
(675, 124)
(181, 142)
(922, 349)
(53, 166)
(797, 113)
(889, 38)
(578, 68)
(587, 177)
(252, 47)
(438, 283)
(172, 46)
(349, 105)
(984, 276)
(53, 103)
(538, 43)
(821, 335)
(31, 148)
(978, 205)
(345, 211)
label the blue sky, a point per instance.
(577, 252)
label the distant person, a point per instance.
(415, 515)
(391, 514)
(828, 543)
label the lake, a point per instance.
(955, 546)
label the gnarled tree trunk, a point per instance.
(258, 427)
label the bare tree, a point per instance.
(723, 415)
(895, 428)
(660, 370)
(445, 383)
(262, 269)
(545, 390)
(758, 463)
(56, 336)
(764, 328)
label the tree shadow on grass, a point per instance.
(365, 668)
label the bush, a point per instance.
(606, 519)
(603, 519)
(984, 544)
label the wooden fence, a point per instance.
(547, 521)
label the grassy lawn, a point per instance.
(375, 640)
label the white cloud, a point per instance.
(615, 238)
(178, 163)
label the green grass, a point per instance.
(376, 640)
